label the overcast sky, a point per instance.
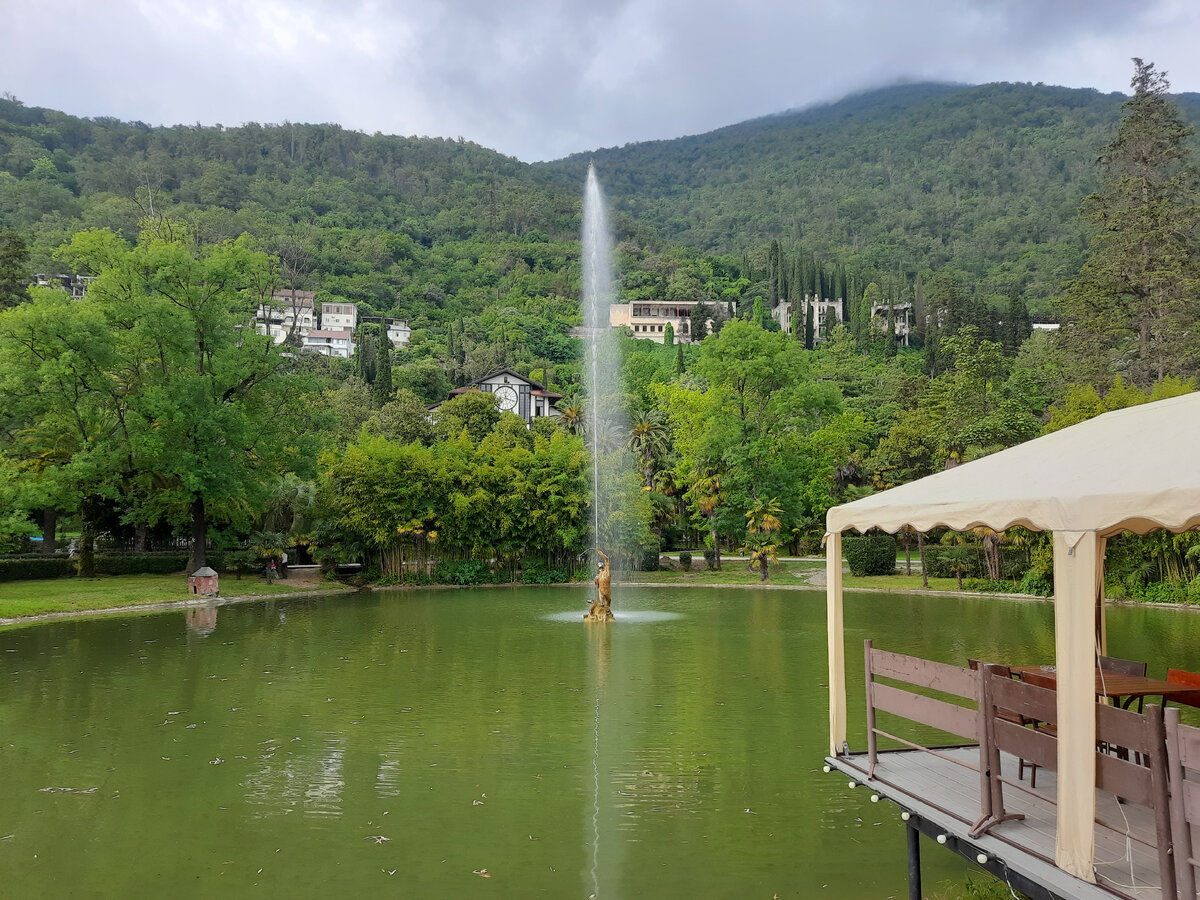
(539, 79)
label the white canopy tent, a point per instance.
(1135, 469)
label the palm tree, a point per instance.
(707, 496)
(648, 439)
(762, 523)
(571, 418)
(764, 516)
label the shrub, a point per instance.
(710, 558)
(685, 561)
(872, 554)
(1035, 583)
(942, 562)
(465, 572)
(648, 561)
(23, 567)
(537, 572)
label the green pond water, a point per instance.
(415, 742)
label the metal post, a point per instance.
(914, 860)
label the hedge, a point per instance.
(685, 561)
(142, 563)
(872, 554)
(21, 568)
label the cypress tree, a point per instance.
(668, 334)
(382, 391)
(679, 364)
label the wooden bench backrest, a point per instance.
(1183, 767)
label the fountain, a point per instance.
(602, 382)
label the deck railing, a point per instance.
(1137, 773)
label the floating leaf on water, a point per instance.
(377, 838)
(216, 762)
(482, 873)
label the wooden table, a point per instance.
(1119, 687)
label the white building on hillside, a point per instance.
(330, 343)
(398, 331)
(339, 316)
(514, 393)
(647, 319)
(289, 312)
(825, 315)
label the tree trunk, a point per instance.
(907, 554)
(49, 529)
(199, 536)
(921, 553)
(86, 566)
(991, 554)
(716, 551)
(140, 537)
(763, 562)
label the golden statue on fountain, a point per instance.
(601, 608)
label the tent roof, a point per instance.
(1134, 469)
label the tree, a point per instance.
(474, 412)
(205, 414)
(1135, 307)
(403, 419)
(381, 391)
(680, 366)
(668, 334)
(14, 269)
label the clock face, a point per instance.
(506, 396)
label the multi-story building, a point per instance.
(289, 312)
(398, 331)
(339, 316)
(75, 285)
(329, 342)
(647, 319)
(825, 315)
(514, 393)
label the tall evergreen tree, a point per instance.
(382, 391)
(680, 366)
(1135, 307)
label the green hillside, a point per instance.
(986, 180)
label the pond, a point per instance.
(472, 743)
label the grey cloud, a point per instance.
(539, 79)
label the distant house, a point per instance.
(75, 285)
(647, 319)
(514, 393)
(289, 312)
(329, 343)
(825, 315)
(398, 331)
(339, 316)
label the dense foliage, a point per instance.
(149, 411)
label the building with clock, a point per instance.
(516, 394)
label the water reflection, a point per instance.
(285, 780)
(201, 621)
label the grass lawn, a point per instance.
(31, 598)
(898, 582)
(733, 571)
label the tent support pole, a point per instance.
(1075, 575)
(837, 642)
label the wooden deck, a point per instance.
(946, 796)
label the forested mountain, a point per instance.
(984, 180)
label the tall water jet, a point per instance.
(602, 384)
